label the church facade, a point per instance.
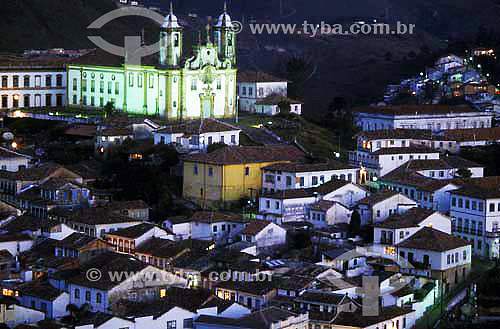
(176, 88)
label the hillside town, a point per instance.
(178, 194)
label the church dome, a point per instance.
(170, 20)
(224, 19)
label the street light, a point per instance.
(337, 154)
(14, 145)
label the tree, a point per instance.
(355, 224)
(463, 173)
(215, 146)
(109, 108)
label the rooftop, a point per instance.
(377, 197)
(404, 150)
(255, 227)
(198, 127)
(396, 134)
(257, 76)
(429, 238)
(248, 154)
(308, 167)
(411, 218)
(434, 109)
(136, 231)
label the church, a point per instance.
(174, 87)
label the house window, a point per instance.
(492, 207)
(5, 100)
(467, 204)
(131, 79)
(75, 84)
(172, 324)
(188, 323)
(26, 100)
(195, 170)
(210, 171)
(244, 90)
(222, 139)
(480, 206)
(315, 180)
(98, 298)
(139, 80)
(59, 79)
(268, 204)
(77, 293)
(151, 80)
(26, 81)
(276, 204)
(288, 181)
(210, 140)
(92, 86)
(302, 181)
(233, 139)
(247, 171)
(214, 228)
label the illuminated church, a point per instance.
(175, 88)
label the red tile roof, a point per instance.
(255, 227)
(417, 109)
(308, 167)
(429, 238)
(198, 127)
(256, 76)
(248, 154)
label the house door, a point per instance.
(206, 107)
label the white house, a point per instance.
(448, 62)
(293, 204)
(208, 225)
(42, 296)
(13, 161)
(113, 276)
(264, 234)
(430, 117)
(271, 105)
(16, 243)
(383, 161)
(379, 206)
(126, 239)
(12, 314)
(32, 82)
(109, 137)
(475, 213)
(325, 213)
(438, 254)
(285, 176)
(399, 227)
(252, 86)
(198, 135)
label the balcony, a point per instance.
(386, 241)
(493, 235)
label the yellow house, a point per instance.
(225, 176)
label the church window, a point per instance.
(219, 84)
(151, 80)
(101, 87)
(92, 86)
(176, 40)
(117, 88)
(139, 80)
(250, 91)
(175, 104)
(75, 86)
(175, 79)
(84, 85)
(110, 87)
(84, 100)
(92, 75)
(193, 84)
(74, 99)
(131, 79)
(101, 101)
(92, 100)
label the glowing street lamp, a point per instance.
(13, 145)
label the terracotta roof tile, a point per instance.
(309, 167)
(248, 154)
(411, 218)
(255, 227)
(257, 76)
(199, 127)
(429, 238)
